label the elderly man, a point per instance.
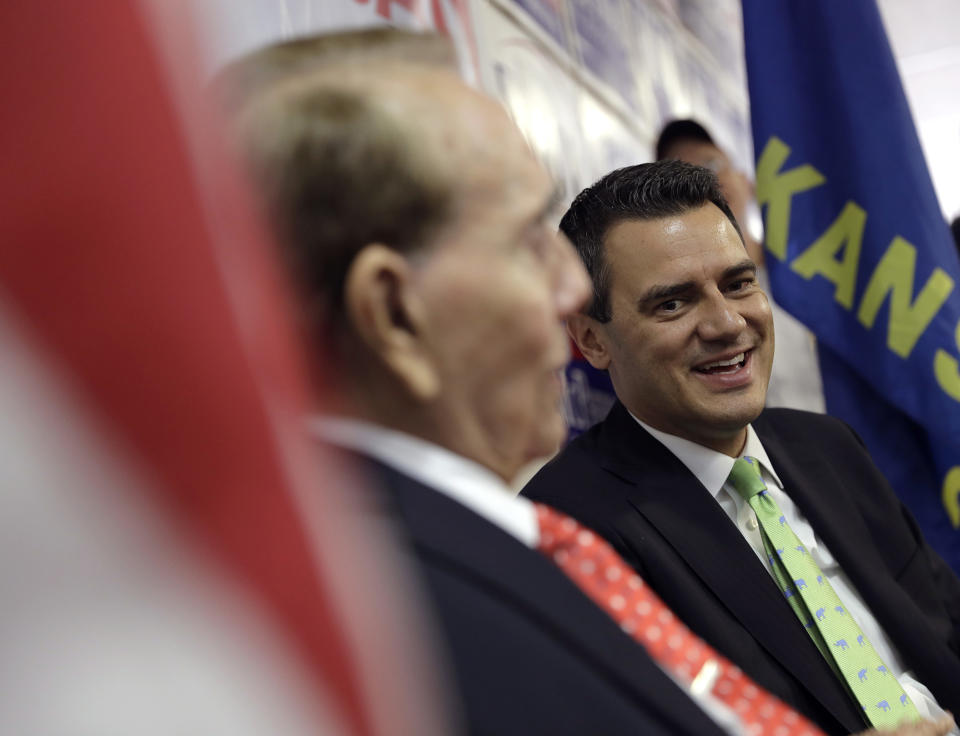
(414, 219)
(771, 533)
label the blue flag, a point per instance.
(857, 247)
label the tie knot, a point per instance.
(745, 477)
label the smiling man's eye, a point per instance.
(669, 306)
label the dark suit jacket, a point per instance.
(625, 484)
(531, 654)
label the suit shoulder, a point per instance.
(579, 482)
(804, 424)
(780, 415)
(578, 458)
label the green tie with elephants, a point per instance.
(809, 593)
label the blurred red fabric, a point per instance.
(106, 255)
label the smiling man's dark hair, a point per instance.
(640, 192)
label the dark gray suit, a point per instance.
(619, 480)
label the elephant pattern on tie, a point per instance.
(791, 567)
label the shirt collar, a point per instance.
(710, 467)
(463, 480)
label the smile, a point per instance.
(729, 365)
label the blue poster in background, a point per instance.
(857, 246)
(548, 14)
(588, 394)
(599, 29)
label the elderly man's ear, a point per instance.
(387, 316)
(590, 339)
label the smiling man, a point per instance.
(771, 533)
(689, 342)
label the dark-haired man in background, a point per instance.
(685, 331)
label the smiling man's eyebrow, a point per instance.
(663, 291)
(660, 292)
(746, 264)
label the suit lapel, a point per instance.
(446, 533)
(671, 499)
(805, 472)
(835, 518)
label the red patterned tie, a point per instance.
(600, 573)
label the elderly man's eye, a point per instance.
(540, 242)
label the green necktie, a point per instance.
(809, 593)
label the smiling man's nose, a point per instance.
(720, 320)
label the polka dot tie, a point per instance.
(600, 573)
(814, 601)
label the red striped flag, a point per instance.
(156, 567)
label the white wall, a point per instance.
(686, 57)
(925, 36)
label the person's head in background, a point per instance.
(688, 140)
(415, 221)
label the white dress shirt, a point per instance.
(477, 488)
(713, 468)
(465, 481)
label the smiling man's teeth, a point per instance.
(735, 360)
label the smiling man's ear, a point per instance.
(587, 333)
(386, 314)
